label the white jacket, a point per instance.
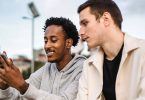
(130, 81)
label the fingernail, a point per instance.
(11, 60)
(4, 52)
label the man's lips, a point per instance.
(50, 53)
(85, 38)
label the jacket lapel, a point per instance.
(129, 45)
(96, 61)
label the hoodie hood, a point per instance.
(74, 63)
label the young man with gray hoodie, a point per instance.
(58, 78)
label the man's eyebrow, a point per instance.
(50, 36)
(53, 36)
(82, 21)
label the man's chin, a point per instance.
(50, 60)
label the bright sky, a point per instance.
(15, 32)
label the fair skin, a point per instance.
(57, 49)
(101, 32)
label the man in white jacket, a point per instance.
(116, 68)
(58, 78)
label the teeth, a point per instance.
(50, 53)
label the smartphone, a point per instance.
(4, 56)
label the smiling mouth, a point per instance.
(50, 53)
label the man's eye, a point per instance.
(84, 23)
(54, 40)
(45, 42)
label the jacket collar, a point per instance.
(130, 44)
(97, 54)
(96, 59)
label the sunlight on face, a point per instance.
(54, 43)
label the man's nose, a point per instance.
(81, 31)
(47, 45)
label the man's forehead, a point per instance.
(85, 12)
(54, 28)
(54, 32)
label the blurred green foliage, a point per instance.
(27, 73)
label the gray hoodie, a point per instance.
(48, 83)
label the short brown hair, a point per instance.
(98, 7)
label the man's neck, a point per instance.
(66, 59)
(113, 46)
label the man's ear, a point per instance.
(69, 43)
(107, 18)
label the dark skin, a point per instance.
(57, 48)
(10, 75)
(3, 85)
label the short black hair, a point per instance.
(98, 7)
(68, 27)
